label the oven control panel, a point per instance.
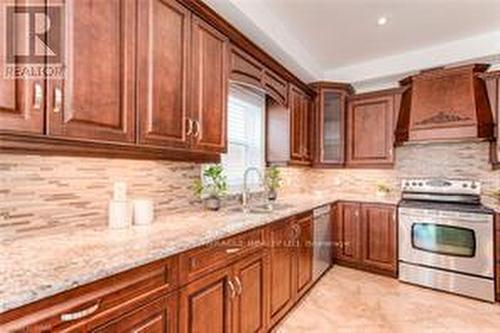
(441, 186)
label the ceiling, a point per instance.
(340, 39)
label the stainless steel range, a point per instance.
(446, 237)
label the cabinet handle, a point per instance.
(57, 100)
(80, 314)
(196, 128)
(189, 126)
(38, 96)
(231, 287)
(238, 284)
(233, 250)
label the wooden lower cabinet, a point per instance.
(159, 316)
(205, 305)
(347, 233)
(366, 236)
(378, 232)
(232, 299)
(282, 276)
(304, 254)
(250, 307)
(291, 258)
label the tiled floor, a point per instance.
(347, 300)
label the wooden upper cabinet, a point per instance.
(209, 82)
(95, 101)
(244, 68)
(205, 305)
(330, 123)
(296, 124)
(300, 130)
(307, 134)
(370, 131)
(492, 81)
(162, 67)
(378, 231)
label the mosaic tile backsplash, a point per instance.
(41, 194)
(44, 194)
(463, 160)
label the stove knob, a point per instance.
(473, 186)
(464, 185)
(414, 184)
(420, 184)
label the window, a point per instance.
(246, 110)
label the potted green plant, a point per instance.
(212, 188)
(496, 194)
(382, 189)
(273, 182)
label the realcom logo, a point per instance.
(34, 44)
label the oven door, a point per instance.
(454, 241)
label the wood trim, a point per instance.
(117, 294)
(240, 40)
(43, 145)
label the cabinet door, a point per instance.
(251, 278)
(379, 237)
(95, 101)
(21, 101)
(497, 242)
(331, 127)
(209, 87)
(159, 316)
(163, 50)
(307, 139)
(296, 124)
(282, 274)
(370, 131)
(205, 304)
(348, 232)
(304, 259)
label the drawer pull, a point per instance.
(37, 105)
(231, 287)
(80, 314)
(233, 250)
(238, 284)
(57, 100)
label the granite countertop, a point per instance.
(35, 268)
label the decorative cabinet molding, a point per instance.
(247, 70)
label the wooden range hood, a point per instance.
(445, 104)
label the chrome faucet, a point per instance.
(245, 193)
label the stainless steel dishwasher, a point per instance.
(322, 241)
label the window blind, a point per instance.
(246, 110)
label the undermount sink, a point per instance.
(262, 208)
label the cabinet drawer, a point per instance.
(92, 305)
(218, 254)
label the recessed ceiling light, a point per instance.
(382, 20)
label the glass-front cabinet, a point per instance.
(331, 100)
